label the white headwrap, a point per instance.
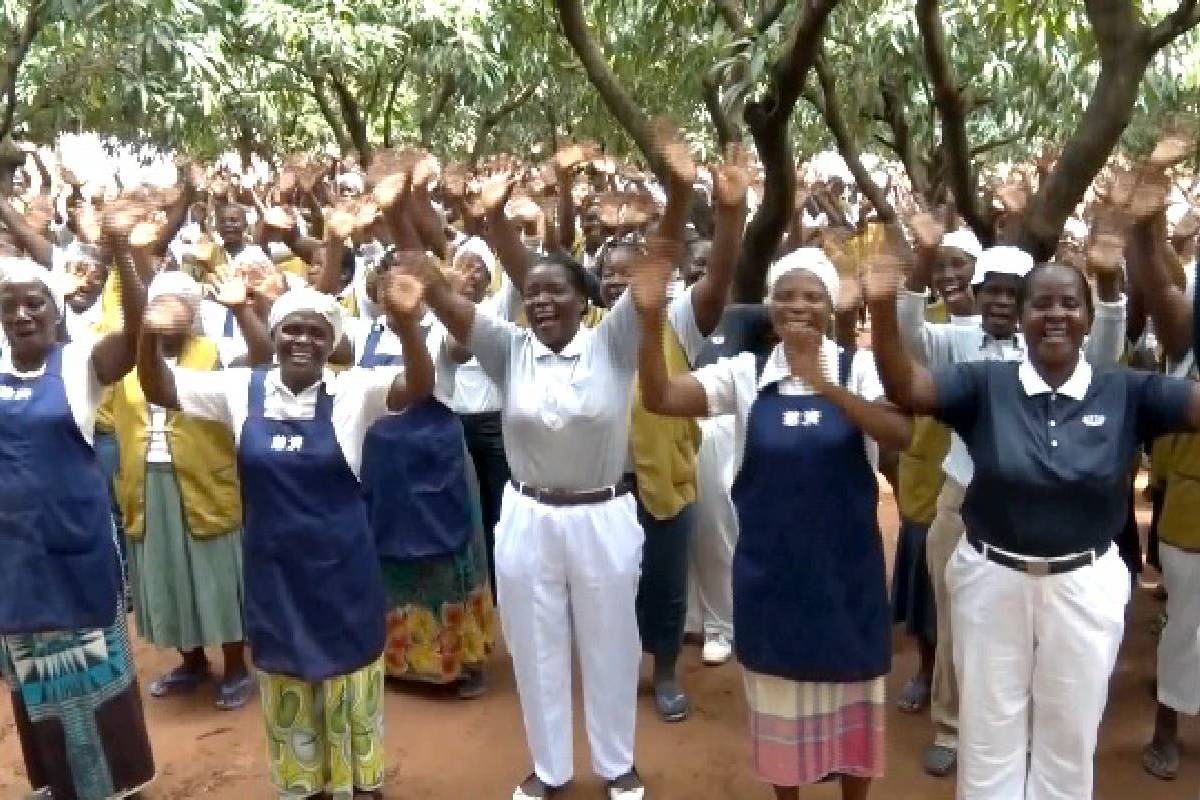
(177, 284)
(352, 181)
(476, 247)
(307, 299)
(250, 254)
(77, 251)
(963, 239)
(1004, 260)
(1075, 228)
(811, 259)
(24, 270)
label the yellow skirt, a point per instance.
(327, 736)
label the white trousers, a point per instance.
(1179, 646)
(555, 566)
(1034, 657)
(715, 531)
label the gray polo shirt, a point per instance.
(566, 415)
(1052, 467)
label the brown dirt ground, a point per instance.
(440, 748)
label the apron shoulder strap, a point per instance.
(258, 379)
(371, 345)
(845, 362)
(54, 361)
(229, 330)
(324, 409)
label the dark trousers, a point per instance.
(485, 443)
(663, 589)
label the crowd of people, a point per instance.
(332, 419)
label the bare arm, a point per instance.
(907, 384)
(1166, 303)
(711, 292)
(502, 236)
(402, 298)
(39, 246)
(116, 353)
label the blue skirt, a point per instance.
(912, 591)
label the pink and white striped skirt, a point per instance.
(804, 732)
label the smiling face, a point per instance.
(554, 304)
(93, 275)
(476, 277)
(303, 342)
(1055, 315)
(799, 307)
(231, 224)
(697, 263)
(996, 301)
(30, 317)
(951, 279)
(615, 274)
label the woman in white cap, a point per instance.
(182, 509)
(314, 595)
(996, 285)
(568, 543)
(64, 650)
(810, 605)
(1037, 591)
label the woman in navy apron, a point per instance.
(64, 648)
(313, 589)
(810, 604)
(424, 509)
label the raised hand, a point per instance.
(573, 155)
(424, 171)
(143, 235)
(810, 367)
(850, 294)
(649, 280)
(1172, 149)
(1013, 196)
(674, 152)
(731, 180)
(168, 316)
(231, 291)
(1105, 252)
(454, 181)
(496, 191)
(882, 281)
(402, 295)
(279, 221)
(342, 222)
(928, 231)
(389, 190)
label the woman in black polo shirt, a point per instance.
(1038, 593)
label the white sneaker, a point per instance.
(717, 650)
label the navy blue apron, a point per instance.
(809, 587)
(414, 475)
(230, 329)
(314, 591)
(58, 560)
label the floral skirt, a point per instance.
(326, 736)
(803, 733)
(78, 711)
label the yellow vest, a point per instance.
(202, 452)
(920, 471)
(1179, 524)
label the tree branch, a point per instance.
(447, 86)
(489, 120)
(831, 110)
(356, 124)
(727, 130)
(768, 119)
(902, 139)
(331, 118)
(768, 12)
(618, 101)
(1185, 17)
(390, 106)
(732, 12)
(952, 111)
(13, 59)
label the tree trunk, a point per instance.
(447, 85)
(725, 127)
(388, 109)
(18, 47)
(831, 110)
(952, 110)
(1126, 48)
(902, 139)
(619, 102)
(331, 118)
(768, 120)
(356, 123)
(490, 120)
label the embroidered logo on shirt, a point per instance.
(791, 419)
(287, 444)
(1093, 420)
(9, 393)
(811, 417)
(807, 419)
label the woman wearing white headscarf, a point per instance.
(182, 509)
(810, 602)
(314, 597)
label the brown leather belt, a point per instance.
(568, 497)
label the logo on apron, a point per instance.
(9, 393)
(808, 418)
(287, 444)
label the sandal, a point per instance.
(915, 695)
(940, 760)
(180, 680)
(520, 792)
(613, 791)
(1161, 763)
(232, 695)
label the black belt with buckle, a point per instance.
(1038, 567)
(568, 497)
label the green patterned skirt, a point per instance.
(441, 624)
(326, 736)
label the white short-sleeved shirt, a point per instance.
(566, 414)
(84, 390)
(359, 399)
(732, 385)
(474, 392)
(358, 329)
